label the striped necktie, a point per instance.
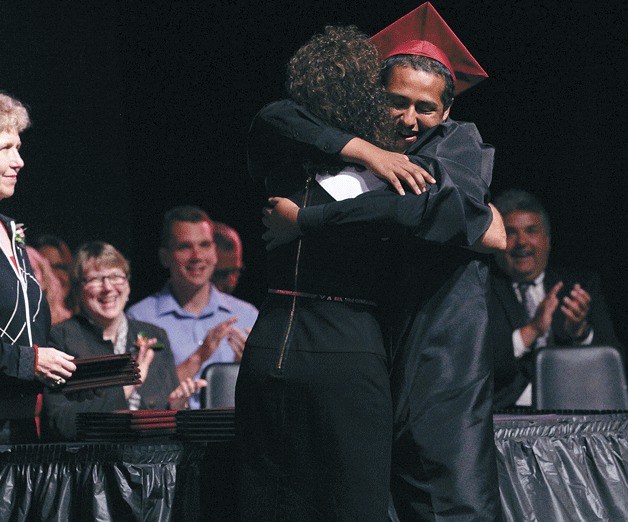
(526, 299)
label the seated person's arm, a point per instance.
(586, 317)
(523, 338)
(191, 366)
(178, 399)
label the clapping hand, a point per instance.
(178, 399)
(213, 338)
(542, 321)
(237, 340)
(575, 307)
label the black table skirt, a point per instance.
(133, 481)
(563, 467)
(551, 467)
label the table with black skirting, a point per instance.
(569, 466)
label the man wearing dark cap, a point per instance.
(443, 455)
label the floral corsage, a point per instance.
(20, 234)
(143, 340)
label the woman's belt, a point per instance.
(323, 297)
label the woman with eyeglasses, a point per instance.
(100, 284)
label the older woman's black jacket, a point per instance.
(18, 389)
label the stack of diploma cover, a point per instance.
(125, 425)
(101, 372)
(216, 424)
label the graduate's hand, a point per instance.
(280, 218)
(494, 239)
(392, 167)
(398, 170)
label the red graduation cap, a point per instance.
(425, 33)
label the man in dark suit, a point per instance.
(532, 306)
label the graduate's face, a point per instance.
(415, 103)
(527, 246)
(10, 162)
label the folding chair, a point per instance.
(221, 382)
(579, 378)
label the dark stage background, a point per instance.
(140, 106)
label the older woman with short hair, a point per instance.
(100, 282)
(24, 312)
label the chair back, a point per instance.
(221, 382)
(579, 378)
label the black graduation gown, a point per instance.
(443, 456)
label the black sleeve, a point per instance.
(167, 370)
(282, 136)
(289, 120)
(381, 207)
(17, 361)
(454, 211)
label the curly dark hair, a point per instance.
(335, 75)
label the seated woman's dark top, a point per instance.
(80, 337)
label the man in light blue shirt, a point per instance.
(204, 325)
